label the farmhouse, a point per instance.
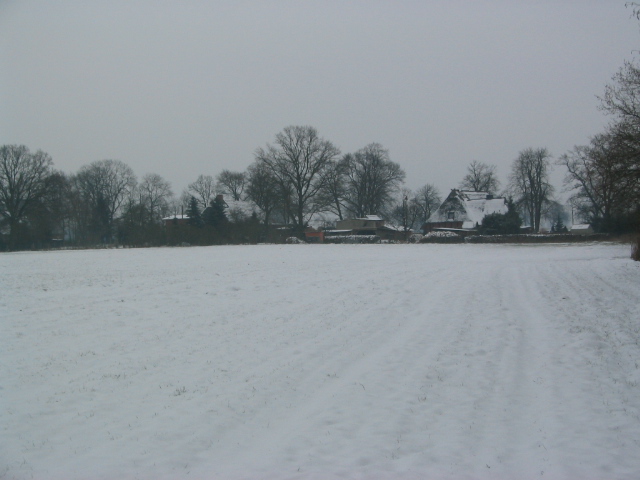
(464, 210)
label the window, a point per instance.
(451, 216)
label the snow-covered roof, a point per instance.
(374, 218)
(468, 207)
(581, 226)
(477, 209)
(243, 206)
(471, 195)
(178, 217)
(393, 228)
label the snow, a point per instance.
(581, 228)
(438, 233)
(321, 362)
(478, 209)
(176, 217)
(475, 206)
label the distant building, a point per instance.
(464, 210)
(369, 225)
(312, 235)
(581, 229)
(175, 220)
(361, 226)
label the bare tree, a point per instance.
(405, 213)
(414, 208)
(181, 203)
(622, 98)
(601, 179)
(529, 183)
(371, 180)
(480, 177)
(231, 183)
(155, 196)
(263, 189)
(202, 189)
(56, 204)
(427, 200)
(556, 214)
(333, 190)
(622, 101)
(23, 178)
(103, 186)
(298, 160)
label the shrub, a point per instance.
(294, 241)
(352, 239)
(537, 238)
(442, 237)
(502, 223)
(415, 238)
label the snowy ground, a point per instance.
(321, 362)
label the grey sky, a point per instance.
(194, 87)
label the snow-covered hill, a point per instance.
(328, 361)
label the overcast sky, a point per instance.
(183, 88)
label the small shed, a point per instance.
(581, 229)
(312, 235)
(370, 225)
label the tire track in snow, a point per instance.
(378, 355)
(450, 362)
(520, 401)
(598, 353)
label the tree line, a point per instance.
(298, 177)
(301, 176)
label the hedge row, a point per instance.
(442, 239)
(537, 238)
(352, 239)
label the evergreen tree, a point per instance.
(100, 221)
(559, 226)
(193, 212)
(216, 214)
(513, 222)
(502, 223)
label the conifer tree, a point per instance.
(216, 215)
(193, 212)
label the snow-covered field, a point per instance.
(321, 362)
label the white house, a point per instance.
(465, 210)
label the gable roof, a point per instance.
(581, 226)
(468, 207)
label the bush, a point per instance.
(537, 238)
(502, 223)
(294, 241)
(415, 238)
(442, 237)
(352, 239)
